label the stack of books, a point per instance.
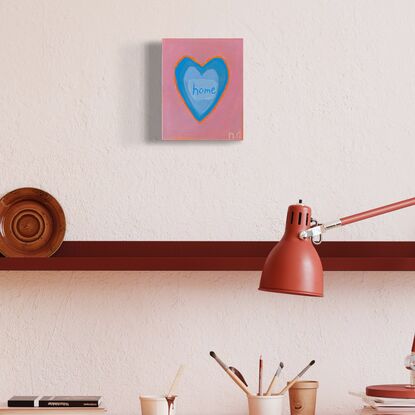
(53, 405)
(387, 406)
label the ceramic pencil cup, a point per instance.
(303, 396)
(265, 405)
(157, 405)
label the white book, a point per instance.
(385, 411)
(376, 402)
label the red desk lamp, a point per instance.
(293, 265)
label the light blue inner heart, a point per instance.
(201, 86)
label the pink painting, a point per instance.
(202, 89)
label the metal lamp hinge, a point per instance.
(316, 230)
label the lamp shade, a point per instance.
(293, 266)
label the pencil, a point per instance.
(260, 376)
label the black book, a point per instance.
(70, 401)
(23, 401)
(54, 401)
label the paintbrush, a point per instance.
(292, 382)
(175, 381)
(239, 374)
(274, 379)
(231, 374)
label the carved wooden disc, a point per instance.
(32, 223)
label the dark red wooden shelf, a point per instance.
(212, 256)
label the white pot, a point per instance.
(265, 405)
(156, 405)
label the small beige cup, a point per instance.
(265, 405)
(156, 405)
(303, 396)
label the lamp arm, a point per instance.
(321, 228)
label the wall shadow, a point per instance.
(152, 91)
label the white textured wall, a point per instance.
(329, 110)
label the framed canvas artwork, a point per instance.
(202, 89)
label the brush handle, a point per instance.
(289, 385)
(222, 364)
(176, 380)
(231, 374)
(271, 385)
(238, 382)
(273, 381)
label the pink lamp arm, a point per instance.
(377, 211)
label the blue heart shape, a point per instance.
(201, 87)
